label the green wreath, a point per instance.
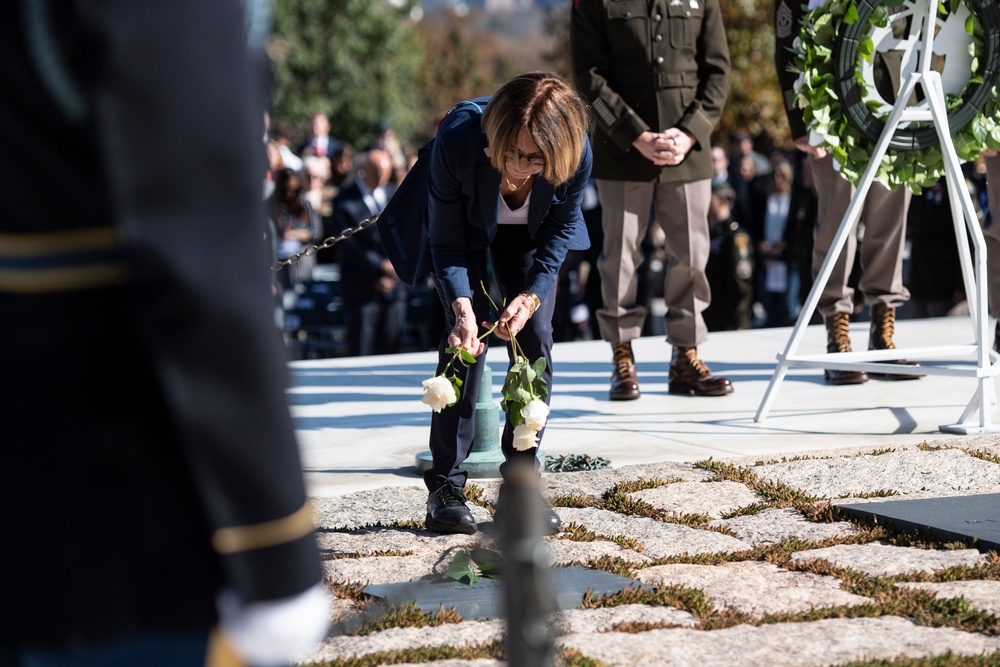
(834, 40)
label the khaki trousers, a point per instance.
(992, 234)
(884, 214)
(681, 211)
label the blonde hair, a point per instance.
(554, 114)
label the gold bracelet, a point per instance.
(533, 299)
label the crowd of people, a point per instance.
(345, 299)
(764, 214)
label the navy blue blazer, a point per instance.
(449, 206)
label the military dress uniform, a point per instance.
(651, 66)
(146, 446)
(884, 215)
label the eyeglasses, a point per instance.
(513, 155)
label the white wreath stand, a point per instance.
(976, 417)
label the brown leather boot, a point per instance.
(689, 375)
(882, 329)
(837, 340)
(624, 379)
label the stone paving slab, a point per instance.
(775, 525)
(813, 644)
(596, 482)
(371, 541)
(569, 622)
(658, 538)
(466, 633)
(879, 559)
(981, 595)
(754, 587)
(565, 552)
(385, 569)
(712, 498)
(350, 538)
(946, 472)
(580, 621)
(378, 507)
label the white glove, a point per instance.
(273, 632)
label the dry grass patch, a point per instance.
(944, 660)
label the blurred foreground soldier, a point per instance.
(154, 507)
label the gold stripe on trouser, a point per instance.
(220, 651)
(33, 281)
(267, 534)
(59, 278)
(49, 243)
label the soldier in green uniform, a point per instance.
(884, 215)
(656, 75)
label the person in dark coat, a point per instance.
(656, 75)
(502, 188)
(154, 509)
(730, 267)
(374, 295)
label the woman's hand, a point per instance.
(514, 317)
(465, 333)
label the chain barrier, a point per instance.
(329, 242)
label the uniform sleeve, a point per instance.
(588, 43)
(179, 115)
(787, 17)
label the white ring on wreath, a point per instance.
(951, 41)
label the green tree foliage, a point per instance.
(468, 55)
(754, 101)
(362, 60)
(355, 60)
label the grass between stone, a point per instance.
(889, 598)
(944, 660)
(562, 657)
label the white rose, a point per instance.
(535, 413)
(438, 393)
(524, 438)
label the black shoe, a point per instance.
(845, 377)
(551, 524)
(447, 511)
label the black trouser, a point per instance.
(511, 255)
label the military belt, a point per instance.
(658, 80)
(60, 261)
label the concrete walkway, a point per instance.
(362, 423)
(731, 525)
